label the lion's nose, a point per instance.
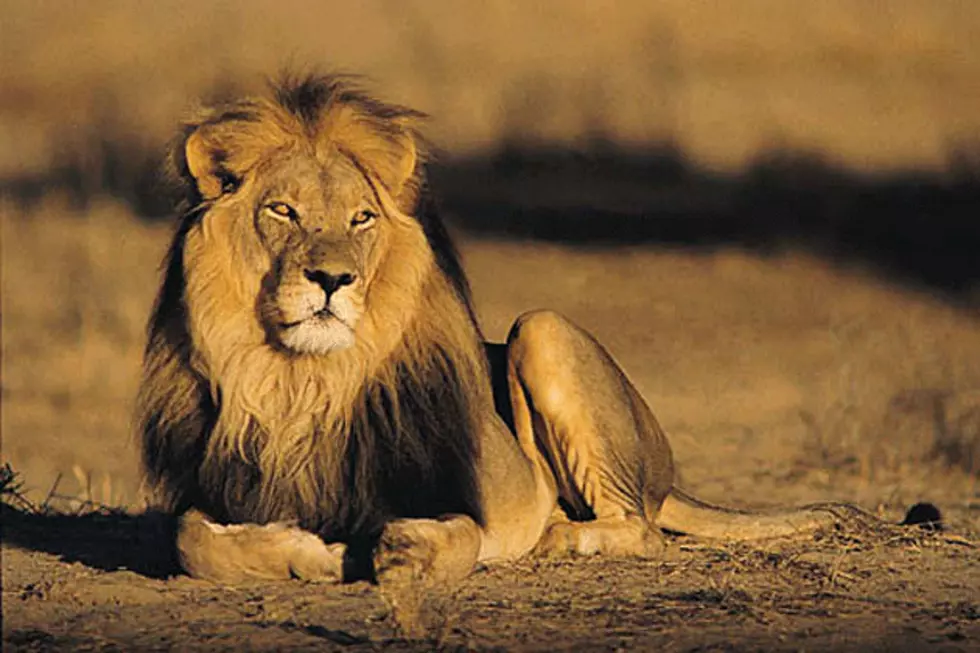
(328, 281)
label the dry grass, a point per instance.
(874, 85)
(76, 291)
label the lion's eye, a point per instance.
(363, 217)
(229, 183)
(281, 210)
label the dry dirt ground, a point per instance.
(781, 380)
(842, 591)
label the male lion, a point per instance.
(317, 400)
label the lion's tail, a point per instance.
(683, 513)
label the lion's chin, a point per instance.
(317, 336)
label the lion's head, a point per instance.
(313, 304)
(311, 193)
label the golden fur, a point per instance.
(316, 389)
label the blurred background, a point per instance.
(767, 210)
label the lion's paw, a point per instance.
(233, 553)
(403, 562)
(311, 559)
(417, 563)
(405, 553)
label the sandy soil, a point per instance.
(781, 380)
(841, 592)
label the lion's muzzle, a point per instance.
(317, 307)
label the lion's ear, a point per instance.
(388, 148)
(203, 159)
(392, 158)
(408, 173)
(200, 164)
(404, 158)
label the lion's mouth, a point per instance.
(307, 324)
(322, 315)
(319, 332)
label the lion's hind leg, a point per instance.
(610, 460)
(625, 535)
(240, 552)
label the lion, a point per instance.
(317, 398)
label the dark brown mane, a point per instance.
(309, 97)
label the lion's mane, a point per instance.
(341, 442)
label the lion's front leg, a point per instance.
(240, 552)
(427, 551)
(415, 556)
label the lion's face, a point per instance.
(321, 227)
(304, 206)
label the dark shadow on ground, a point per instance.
(108, 541)
(917, 227)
